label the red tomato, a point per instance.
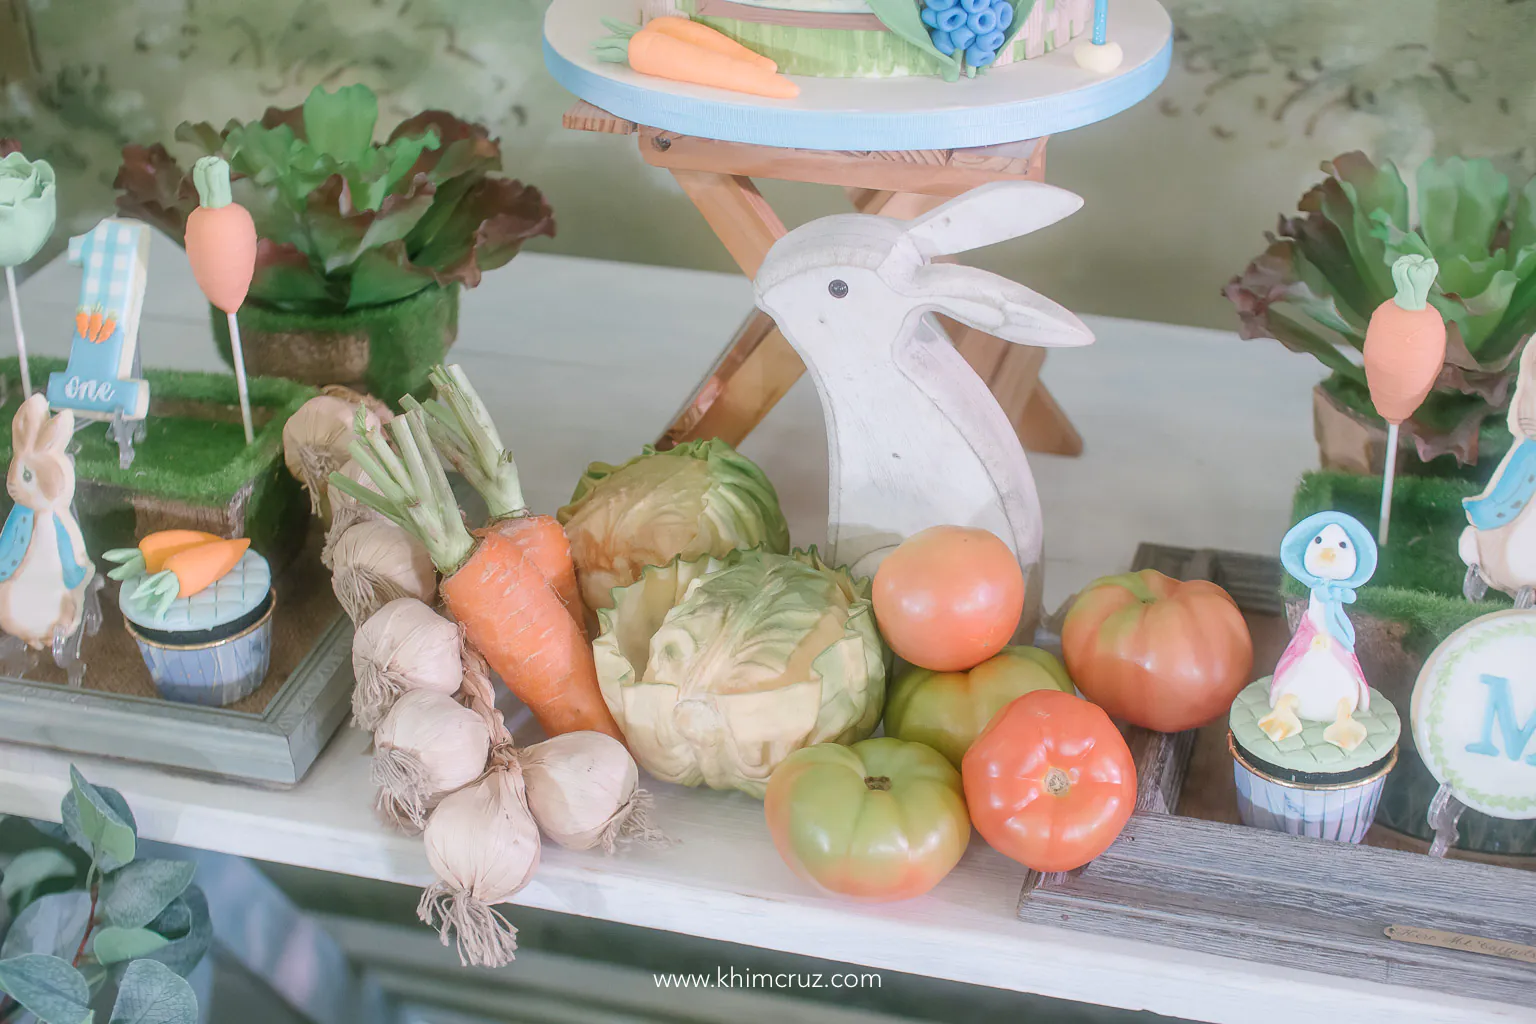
(1156, 652)
(1050, 781)
(949, 597)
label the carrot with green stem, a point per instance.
(690, 31)
(492, 586)
(463, 432)
(221, 246)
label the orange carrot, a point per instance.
(504, 585)
(198, 568)
(93, 325)
(1405, 342)
(665, 56)
(545, 546)
(83, 322)
(158, 547)
(108, 325)
(221, 238)
(690, 31)
(527, 634)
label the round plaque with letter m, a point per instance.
(1474, 714)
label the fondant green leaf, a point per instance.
(1021, 10)
(903, 18)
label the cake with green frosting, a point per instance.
(883, 38)
(1308, 757)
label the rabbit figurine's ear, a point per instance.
(992, 213)
(998, 306)
(28, 422)
(55, 435)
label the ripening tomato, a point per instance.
(1159, 653)
(882, 819)
(949, 597)
(1050, 781)
(946, 710)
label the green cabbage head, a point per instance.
(701, 498)
(718, 670)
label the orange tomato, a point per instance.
(1159, 653)
(1050, 781)
(949, 597)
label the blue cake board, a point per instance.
(1023, 100)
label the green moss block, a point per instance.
(193, 469)
(1418, 581)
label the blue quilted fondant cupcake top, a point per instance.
(234, 595)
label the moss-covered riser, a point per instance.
(1413, 602)
(383, 350)
(193, 470)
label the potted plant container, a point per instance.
(196, 473)
(1413, 603)
(364, 245)
(1328, 268)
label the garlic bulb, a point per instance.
(426, 747)
(346, 510)
(584, 790)
(483, 846)
(315, 440)
(375, 563)
(403, 646)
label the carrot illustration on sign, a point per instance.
(664, 52)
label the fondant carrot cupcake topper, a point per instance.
(221, 245)
(1404, 351)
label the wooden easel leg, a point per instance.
(759, 366)
(1011, 371)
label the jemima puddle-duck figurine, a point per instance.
(1318, 678)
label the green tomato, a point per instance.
(948, 710)
(880, 820)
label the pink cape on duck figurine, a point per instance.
(1318, 678)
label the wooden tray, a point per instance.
(1384, 915)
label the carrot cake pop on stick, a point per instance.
(1404, 351)
(221, 245)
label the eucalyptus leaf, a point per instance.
(98, 821)
(47, 987)
(136, 895)
(114, 945)
(52, 924)
(28, 870)
(151, 993)
(186, 923)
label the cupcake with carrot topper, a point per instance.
(200, 608)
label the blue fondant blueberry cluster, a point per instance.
(974, 27)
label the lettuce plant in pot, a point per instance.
(1326, 269)
(364, 245)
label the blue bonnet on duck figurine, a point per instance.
(1313, 743)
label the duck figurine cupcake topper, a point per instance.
(1318, 678)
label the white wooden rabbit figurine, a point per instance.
(45, 574)
(914, 436)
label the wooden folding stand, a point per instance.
(760, 366)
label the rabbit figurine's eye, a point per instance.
(838, 289)
(26, 475)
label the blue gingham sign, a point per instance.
(114, 258)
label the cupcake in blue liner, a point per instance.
(204, 642)
(1312, 744)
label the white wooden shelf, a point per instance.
(572, 380)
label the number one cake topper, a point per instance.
(221, 245)
(1404, 350)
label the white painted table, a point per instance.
(1192, 438)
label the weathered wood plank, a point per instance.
(584, 117)
(1266, 896)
